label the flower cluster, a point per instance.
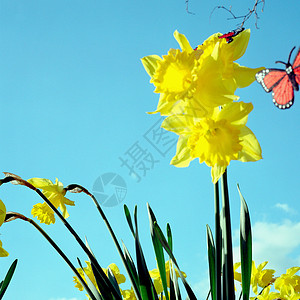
(197, 94)
(126, 294)
(287, 285)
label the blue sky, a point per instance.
(74, 97)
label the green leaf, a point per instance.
(174, 283)
(132, 272)
(245, 247)
(159, 252)
(8, 277)
(228, 279)
(128, 218)
(113, 281)
(165, 244)
(211, 262)
(169, 235)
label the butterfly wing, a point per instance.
(296, 67)
(270, 78)
(283, 93)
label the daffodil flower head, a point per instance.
(55, 193)
(288, 282)
(216, 139)
(260, 277)
(155, 275)
(174, 74)
(3, 252)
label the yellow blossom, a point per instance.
(198, 80)
(216, 139)
(3, 252)
(289, 282)
(128, 294)
(55, 193)
(155, 275)
(89, 272)
(259, 277)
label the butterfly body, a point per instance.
(281, 82)
(229, 35)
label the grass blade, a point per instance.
(245, 247)
(159, 252)
(211, 262)
(8, 277)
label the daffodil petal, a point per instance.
(2, 212)
(236, 113)
(182, 158)
(150, 64)
(239, 44)
(179, 124)
(216, 172)
(3, 252)
(251, 149)
(244, 76)
(183, 42)
(40, 183)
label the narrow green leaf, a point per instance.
(211, 262)
(159, 252)
(113, 281)
(165, 244)
(132, 272)
(245, 247)
(8, 277)
(174, 281)
(128, 218)
(169, 235)
(146, 286)
(228, 279)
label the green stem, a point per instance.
(62, 254)
(135, 287)
(108, 284)
(228, 279)
(217, 242)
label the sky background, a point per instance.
(74, 97)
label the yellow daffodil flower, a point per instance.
(216, 139)
(3, 252)
(201, 79)
(260, 277)
(55, 193)
(128, 294)
(89, 272)
(288, 282)
(154, 274)
(174, 74)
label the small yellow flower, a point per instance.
(89, 272)
(55, 193)
(154, 274)
(259, 277)
(3, 252)
(216, 139)
(288, 282)
(128, 294)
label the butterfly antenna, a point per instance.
(291, 54)
(281, 62)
